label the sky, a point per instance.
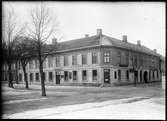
(144, 21)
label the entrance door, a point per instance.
(57, 78)
(145, 77)
(106, 75)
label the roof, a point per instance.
(95, 40)
(131, 46)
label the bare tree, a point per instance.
(25, 50)
(9, 32)
(40, 29)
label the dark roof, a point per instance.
(77, 43)
(94, 40)
(128, 45)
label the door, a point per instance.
(57, 77)
(107, 76)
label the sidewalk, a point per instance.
(129, 108)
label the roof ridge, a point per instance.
(77, 39)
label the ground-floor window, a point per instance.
(153, 75)
(140, 76)
(94, 74)
(20, 77)
(50, 76)
(127, 75)
(157, 75)
(37, 76)
(150, 75)
(66, 75)
(119, 74)
(84, 75)
(74, 75)
(115, 74)
(70, 75)
(31, 77)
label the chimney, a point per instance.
(138, 43)
(99, 31)
(124, 38)
(86, 35)
(54, 41)
(155, 50)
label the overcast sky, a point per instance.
(143, 21)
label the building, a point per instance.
(97, 59)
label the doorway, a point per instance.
(107, 76)
(145, 77)
(57, 78)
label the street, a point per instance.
(85, 102)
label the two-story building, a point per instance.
(96, 59)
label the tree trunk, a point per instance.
(17, 82)
(10, 84)
(25, 77)
(42, 79)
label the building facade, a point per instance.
(97, 59)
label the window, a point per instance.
(74, 75)
(31, 77)
(50, 62)
(70, 75)
(115, 75)
(31, 64)
(57, 61)
(106, 57)
(84, 59)
(84, 75)
(119, 74)
(65, 60)
(20, 77)
(50, 76)
(36, 64)
(66, 75)
(37, 76)
(153, 74)
(94, 74)
(94, 58)
(44, 64)
(19, 65)
(74, 60)
(127, 75)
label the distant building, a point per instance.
(97, 59)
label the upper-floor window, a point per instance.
(106, 57)
(44, 64)
(57, 61)
(19, 65)
(50, 62)
(84, 59)
(74, 60)
(66, 60)
(94, 58)
(31, 64)
(36, 64)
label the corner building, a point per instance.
(97, 59)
